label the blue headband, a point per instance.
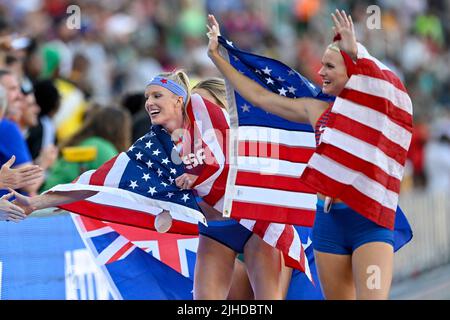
(170, 85)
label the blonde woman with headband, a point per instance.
(166, 97)
(168, 101)
(346, 241)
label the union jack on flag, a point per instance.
(140, 263)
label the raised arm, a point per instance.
(291, 109)
(50, 199)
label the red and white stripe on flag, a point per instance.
(121, 206)
(363, 150)
(212, 125)
(267, 185)
(285, 238)
(209, 123)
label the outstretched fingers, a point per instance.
(341, 20)
(337, 24)
(214, 25)
(351, 24)
(345, 18)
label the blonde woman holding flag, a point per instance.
(362, 141)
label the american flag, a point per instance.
(267, 156)
(210, 124)
(134, 186)
(204, 149)
(271, 153)
(363, 152)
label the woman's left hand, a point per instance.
(185, 181)
(343, 25)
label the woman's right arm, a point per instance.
(50, 199)
(288, 108)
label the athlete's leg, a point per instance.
(372, 270)
(335, 275)
(241, 289)
(213, 270)
(268, 275)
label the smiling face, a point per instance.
(333, 72)
(164, 107)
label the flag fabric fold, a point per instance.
(136, 185)
(364, 147)
(141, 264)
(268, 153)
(209, 139)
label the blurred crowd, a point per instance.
(77, 75)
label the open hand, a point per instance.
(213, 35)
(343, 25)
(20, 177)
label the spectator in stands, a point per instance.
(10, 132)
(134, 102)
(107, 129)
(13, 178)
(43, 134)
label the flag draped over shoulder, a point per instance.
(205, 149)
(208, 145)
(363, 151)
(270, 153)
(136, 185)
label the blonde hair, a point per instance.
(334, 46)
(216, 87)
